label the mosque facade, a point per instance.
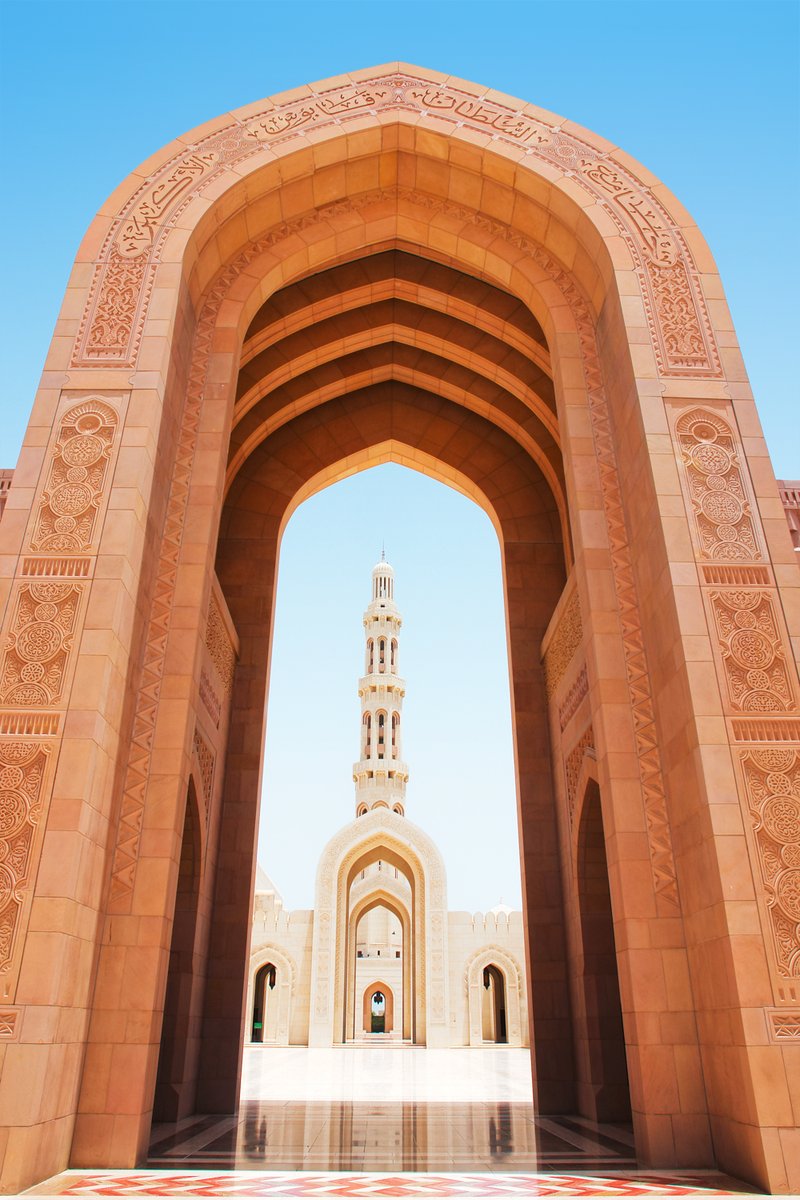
(408, 970)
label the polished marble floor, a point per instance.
(389, 1121)
(389, 1108)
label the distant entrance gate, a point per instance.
(397, 268)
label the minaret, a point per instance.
(381, 775)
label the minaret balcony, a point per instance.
(381, 681)
(380, 772)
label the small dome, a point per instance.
(501, 908)
(383, 568)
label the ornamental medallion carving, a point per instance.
(714, 482)
(772, 779)
(76, 476)
(755, 667)
(22, 767)
(40, 639)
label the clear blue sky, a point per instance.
(705, 94)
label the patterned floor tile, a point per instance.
(280, 1185)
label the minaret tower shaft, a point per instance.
(381, 774)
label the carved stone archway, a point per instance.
(380, 834)
(647, 570)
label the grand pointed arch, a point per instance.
(263, 301)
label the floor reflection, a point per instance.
(410, 1136)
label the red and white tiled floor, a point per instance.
(389, 1122)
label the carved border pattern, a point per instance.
(219, 645)
(563, 644)
(572, 768)
(205, 760)
(112, 324)
(772, 784)
(39, 642)
(76, 475)
(126, 854)
(22, 768)
(654, 799)
(210, 698)
(574, 698)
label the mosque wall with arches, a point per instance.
(475, 942)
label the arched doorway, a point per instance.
(567, 363)
(378, 1009)
(264, 984)
(494, 1022)
(177, 1060)
(603, 1090)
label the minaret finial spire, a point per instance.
(380, 775)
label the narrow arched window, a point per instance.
(370, 656)
(395, 734)
(394, 656)
(367, 735)
(381, 734)
(382, 655)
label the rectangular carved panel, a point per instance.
(772, 786)
(76, 478)
(39, 643)
(22, 771)
(750, 643)
(716, 488)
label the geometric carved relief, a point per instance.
(210, 698)
(756, 671)
(564, 643)
(22, 766)
(219, 645)
(718, 499)
(785, 1026)
(40, 639)
(772, 784)
(79, 464)
(573, 699)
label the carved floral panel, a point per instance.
(717, 495)
(219, 645)
(38, 644)
(772, 782)
(755, 667)
(22, 767)
(76, 476)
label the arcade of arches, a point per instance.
(397, 265)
